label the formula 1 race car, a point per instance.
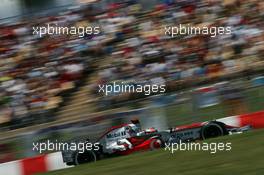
(150, 139)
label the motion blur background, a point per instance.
(49, 85)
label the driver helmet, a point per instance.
(135, 121)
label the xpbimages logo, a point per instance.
(211, 31)
(54, 29)
(198, 146)
(81, 147)
(115, 88)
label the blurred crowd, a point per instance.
(147, 56)
(36, 71)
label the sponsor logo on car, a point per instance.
(116, 134)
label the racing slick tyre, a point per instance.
(86, 157)
(212, 130)
(156, 144)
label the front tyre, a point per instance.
(86, 157)
(211, 130)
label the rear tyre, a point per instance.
(86, 157)
(211, 130)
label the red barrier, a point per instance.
(255, 120)
(34, 165)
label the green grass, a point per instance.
(185, 113)
(245, 158)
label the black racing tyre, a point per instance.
(70, 163)
(211, 130)
(86, 157)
